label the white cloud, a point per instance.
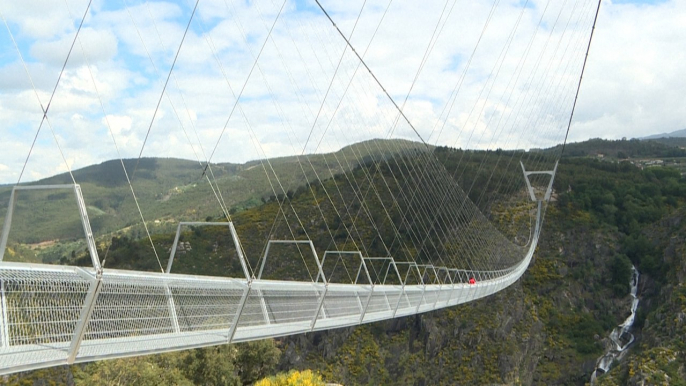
(118, 124)
(42, 19)
(99, 45)
(635, 73)
(631, 88)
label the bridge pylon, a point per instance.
(531, 189)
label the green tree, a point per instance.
(256, 360)
(644, 254)
(620, 269)
(225, 365)
(150, 371)
(212, 366)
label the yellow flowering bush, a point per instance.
(293, 378)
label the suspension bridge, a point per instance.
(382, 233)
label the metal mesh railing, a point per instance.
(52, 315)
(138, 313)
(42, 307)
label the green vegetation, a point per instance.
(293, 378)
(671, 141)
(624, 149)
(607, 215)
(240, 364)
(620, 269)
(168, 191)
(621, 196)
(549, 328)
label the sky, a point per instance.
(267, 78)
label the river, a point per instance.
(620, 337)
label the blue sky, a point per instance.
(639, 2)
(632, 86)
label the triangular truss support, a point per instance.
(548, 191)
(83, 213)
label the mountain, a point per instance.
(168, 191)
(552, 326)
(622, 149)
(679, 142)
(673, 134)
(549, 328)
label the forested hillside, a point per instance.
(547, 329)
(552, 326)
(625, 149)
(46, 224)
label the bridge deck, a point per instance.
(136, 313)
(52, 315)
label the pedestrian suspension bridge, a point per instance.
(433, 241)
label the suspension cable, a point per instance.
(52, 95)
(121, 160)
(583, 67)
(159, 101)
(372, 74)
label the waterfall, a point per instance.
(620, 336)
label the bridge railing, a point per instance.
(52, 315)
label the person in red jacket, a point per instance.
(472, 280)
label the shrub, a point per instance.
(293, 378)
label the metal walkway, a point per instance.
(55, 315)
(50, 315)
